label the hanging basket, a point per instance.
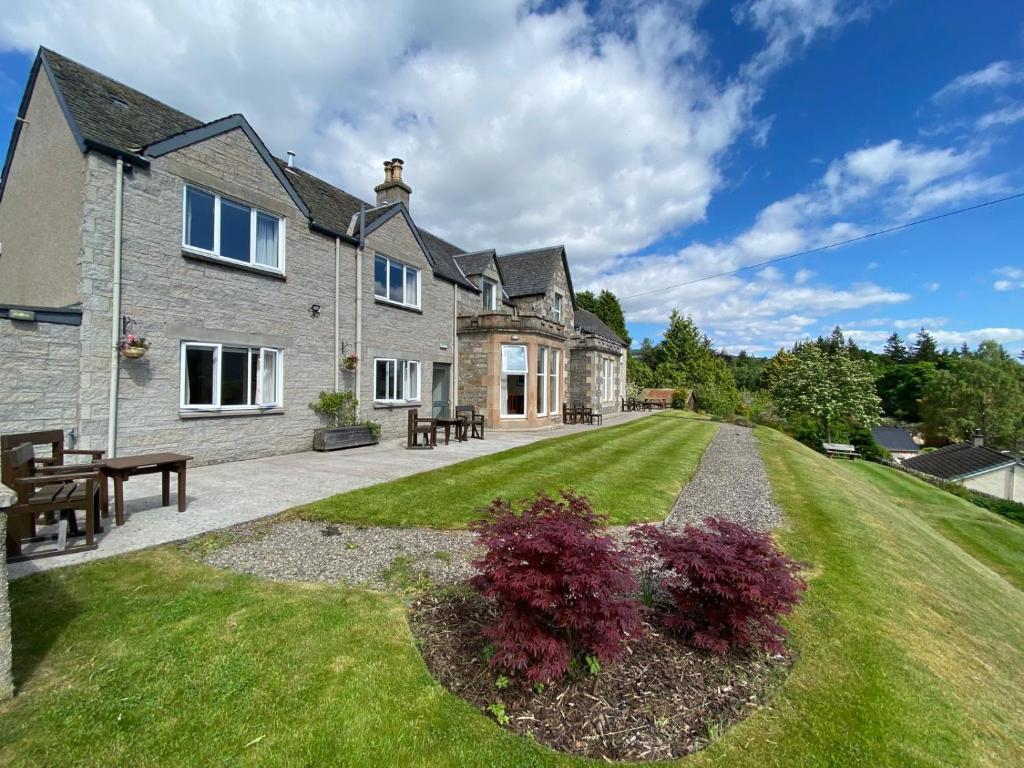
(133, 353)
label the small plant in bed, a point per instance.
(559, 585)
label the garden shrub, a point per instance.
(560, 585)
(1011, 510)
(727, 584)
(862, 439)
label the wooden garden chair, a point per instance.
(417, 427)
(474, 420)
(48, 489)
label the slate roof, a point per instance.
(110, 113)
(590, 323)
(894, 439)
(529, 273)
(475, 263)
(959, 460)
(329, 206)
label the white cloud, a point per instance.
(875, 340)
(1001, 117)
(1012, 278)
(998, 74)
(871, 265)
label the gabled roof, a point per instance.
(475, 263)
(894, 439)
(529, 273)
(110, 113)
(590, 323)
(959, 460)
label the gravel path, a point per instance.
(730, 483)
(376, 557)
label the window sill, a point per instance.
(216, 413)
(188, 253)
(380, 406)
(396, 305)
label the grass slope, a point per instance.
(631, 472)
(911, 653)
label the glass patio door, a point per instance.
(441, 391)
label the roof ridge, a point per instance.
(531, 250)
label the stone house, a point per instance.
(253, 281)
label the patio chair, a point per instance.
(48, 489)
(52, 437)
(417, 427)
(474, 420)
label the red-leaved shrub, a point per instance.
(728, 584)
(559, 583)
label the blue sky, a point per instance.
(661, 142)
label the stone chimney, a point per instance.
(393, 190)
(979, 439)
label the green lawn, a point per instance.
(631, 472)
(911, 652)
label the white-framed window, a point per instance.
(556, 308)
(553, 372)
(213, 225)
(489, 289)
(228, 376)
(396, 282)
(608, 391)
(514, 370)
(542, 382)
(396, 381)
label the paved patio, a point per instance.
(222, 495)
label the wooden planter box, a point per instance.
(342, 437)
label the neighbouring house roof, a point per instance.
(959, 460)
(529, 273)
(895, 439)
(653, 393)
(475, 263)
(590, 323)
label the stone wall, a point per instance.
(426, 335)
(6, 681)
(587, 373)
(174, 297)
(38, 376)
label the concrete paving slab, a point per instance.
(222, 495)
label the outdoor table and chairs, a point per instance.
(460, 425)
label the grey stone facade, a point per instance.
(6, 680)
(588, 372)
(39, 388)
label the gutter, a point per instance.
(115, 310)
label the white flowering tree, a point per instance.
(831, 388)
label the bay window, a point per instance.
(396, 282)
(396, 381)
(513, 381)
(215, 226)
(223, 376)
(553, 388)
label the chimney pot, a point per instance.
(979, 439)
(396, 168)
(291, 159)
(387, 170)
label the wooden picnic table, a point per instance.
(460, 424)
(124, 467)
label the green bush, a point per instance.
(1008, 509)
(339, 408)
(862, 439)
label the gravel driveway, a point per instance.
(730, 483)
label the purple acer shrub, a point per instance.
(727, 584)
(560, 585)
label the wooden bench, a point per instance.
(48, 489)
(840, 451)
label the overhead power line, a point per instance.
(821, 248)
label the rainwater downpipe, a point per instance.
(337, 310)
(115, 311)
(455, 347)
(359, 303)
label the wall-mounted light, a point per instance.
(314, 310)
(22, 314)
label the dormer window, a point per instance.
(216, 226)
(489, 288)
(556, 308)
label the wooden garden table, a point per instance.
(124, 467)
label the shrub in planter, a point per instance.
(727, 584)
(559, 583)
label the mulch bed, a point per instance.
(661, 701)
